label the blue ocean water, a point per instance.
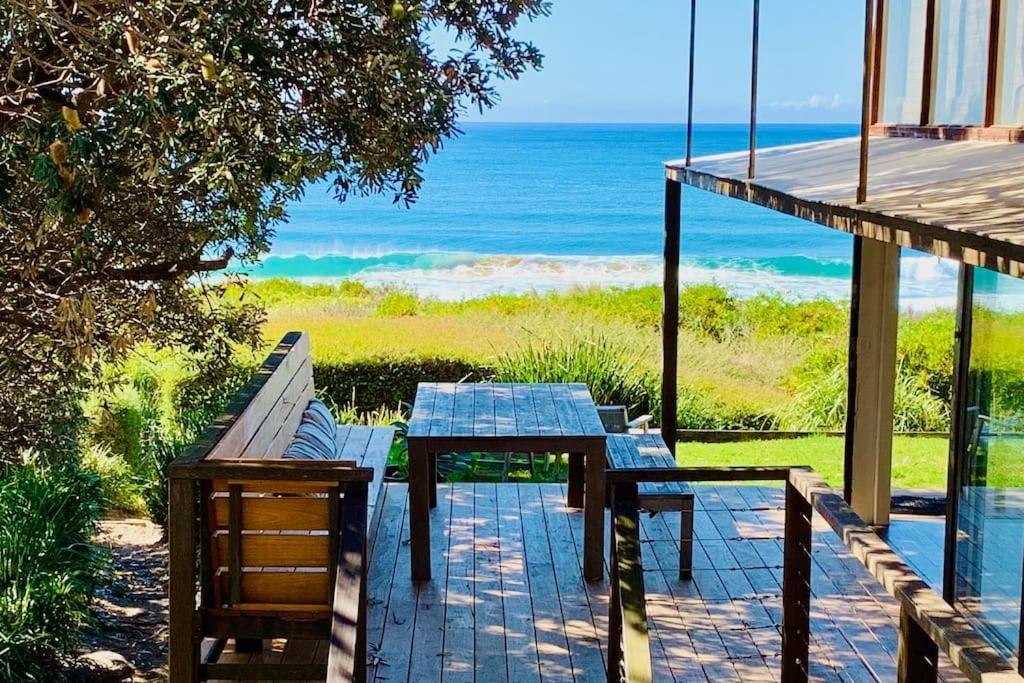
(515, 207)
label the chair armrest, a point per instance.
(346, 660)
(642, 422)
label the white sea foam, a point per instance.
(926, 282)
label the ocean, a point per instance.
(520, 207)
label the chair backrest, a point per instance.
(271, 543)
(271, 405)
(614, 418)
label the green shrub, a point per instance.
(119, 483)
(773, 315)
(708, 309)
(614, 374)
(48, 568)
(366, 385)
(820, 403)
(398, 304)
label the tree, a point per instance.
(145, 144)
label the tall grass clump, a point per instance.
(613, 373)
(48, 568)
(154, 407)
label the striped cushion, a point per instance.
(316, 436)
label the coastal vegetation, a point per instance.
(143, 147)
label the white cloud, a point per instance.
(812, 103)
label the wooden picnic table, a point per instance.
(507, 418)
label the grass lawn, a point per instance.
(918, 463)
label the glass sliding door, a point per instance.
(990, 470)
(903, 60)
(961, 62)
(1010, 98)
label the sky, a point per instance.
(614, 61)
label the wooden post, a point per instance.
(796, 587)
(183, 639)
(959, 427)
(870, 412)
(419, 510)
(670, 314)
(615, 601)
(917, 655)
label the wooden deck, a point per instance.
(507, 602)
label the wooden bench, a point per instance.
(645, 454)
(263, 547)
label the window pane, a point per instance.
(1011, 84)
(961, 62)
(903, 61)
(990, 522)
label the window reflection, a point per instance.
(1010, 111)
(961, 62)
(990, 544)
(903, 61)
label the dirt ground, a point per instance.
(130, 612)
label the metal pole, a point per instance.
(753, 90)
(689, 103)
(865, 102)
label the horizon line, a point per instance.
(666, 123)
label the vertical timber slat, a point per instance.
(796, 587)
(917, 655)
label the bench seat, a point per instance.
(274, 548)
(641, 452)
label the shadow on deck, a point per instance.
(508, 603)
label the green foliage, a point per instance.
(367, 385)
(119, 483)
(708, 309)
(144, 147)
(398, 304)
(611, 372)
(48, 568)
(155, 405)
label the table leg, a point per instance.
(593, 515)
(433, 479)
(575, 497)
(419, 510)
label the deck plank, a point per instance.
(426, 658)
(507, 602)
(552, 644)
(490, 647)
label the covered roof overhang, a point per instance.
(962, 200)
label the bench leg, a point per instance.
(686, 539)
(576, 470)
(183, 656)
(433, 479)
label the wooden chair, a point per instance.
(616, 420)
(646, 455)
(263, 547)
